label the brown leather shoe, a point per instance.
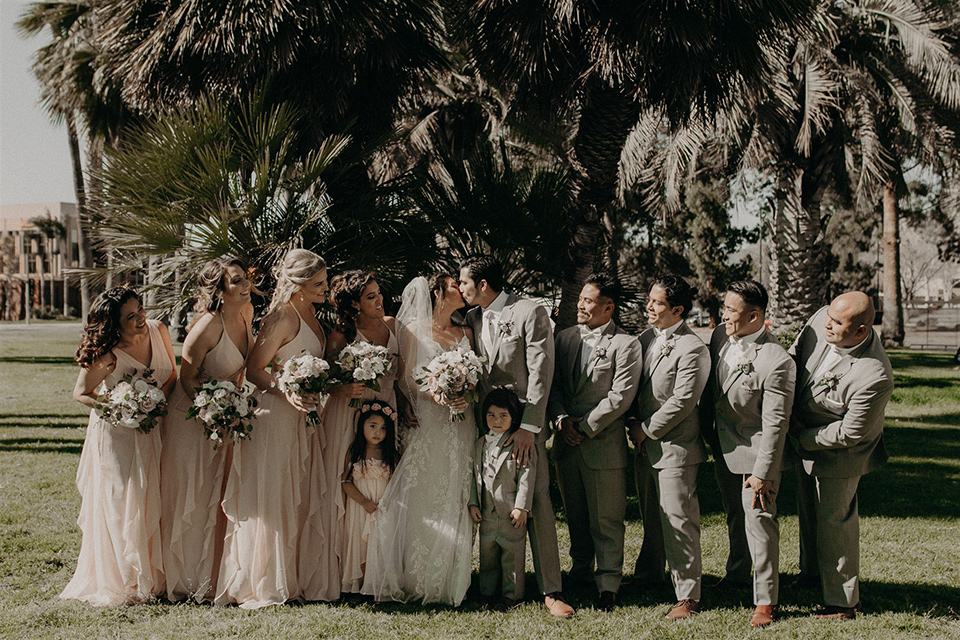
(557, 607)
(838, 613)
(683, 609)
(762, 616)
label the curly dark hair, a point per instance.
(102, 331)
(345, 289)
(388, 448)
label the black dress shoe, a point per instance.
(806, 581)
(606, 601)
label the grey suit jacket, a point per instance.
(600, 394)
(841, 417)
(512, 485)
(750, 409)
(522, 357)
(667, 400)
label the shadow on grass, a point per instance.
(903, 359)
(878, 597)
(41, 445)
(912, 382)
(47, 420)
(38, 359)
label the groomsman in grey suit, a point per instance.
(845, 381)
(594, 383)
(746, 412)
(515, 337)
(666, 433)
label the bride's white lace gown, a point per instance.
(420, 549)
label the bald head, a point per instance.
(849, 319)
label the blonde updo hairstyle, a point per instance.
(295, 270)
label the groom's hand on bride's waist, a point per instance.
(523, 442)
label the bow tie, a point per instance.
(492, 437)
(736, 341)
(587, 332)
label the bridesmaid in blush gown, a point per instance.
(356, 296)
(119, 473)
(275, 487)
(192, 471)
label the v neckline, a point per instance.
(226, 335)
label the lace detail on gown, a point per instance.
(421, 544)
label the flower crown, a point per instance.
(385, 409)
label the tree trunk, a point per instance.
(606, 119)
(798, 269)
(84, 260)
(891, 329)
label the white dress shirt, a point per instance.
(654, 351)
(833, 357)
(735, 352)
(491, 317)
(589, 338)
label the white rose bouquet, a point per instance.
(451, 375)
(224, 409)
(307, 373)
(363, 362)
(135, 404)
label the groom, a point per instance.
(515, 337)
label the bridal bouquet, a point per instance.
(134, 404)
(224, 409)
(363, 362)
(307, 373)
(450, 375)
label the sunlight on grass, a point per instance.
(910, 532)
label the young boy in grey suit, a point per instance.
(501, 497)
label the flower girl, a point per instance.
(369, 464)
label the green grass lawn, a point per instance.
(910, 536)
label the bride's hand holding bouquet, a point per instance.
(451, 380)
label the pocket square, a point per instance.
(833, 404)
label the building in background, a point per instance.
(38, 243)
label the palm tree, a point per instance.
(218, 180)
(871, 83)
(599, 65)
(66, 69)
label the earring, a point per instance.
(301, 296)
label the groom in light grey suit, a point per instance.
(515, 337)
(845, 381)
(666, 432)
(594, 383)
(745, 411)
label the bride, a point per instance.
(420, 549)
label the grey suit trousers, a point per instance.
(652, 558)
(731, 488)
(503, 552)
(543, 527)
(680, 522)
(830, 535)
(761, 535)
(596, 504)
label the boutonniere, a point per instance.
(667, 347)
(829, 380)
(745, 367)
(599, 353)
(505, 327)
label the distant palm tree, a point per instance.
(66, 69)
